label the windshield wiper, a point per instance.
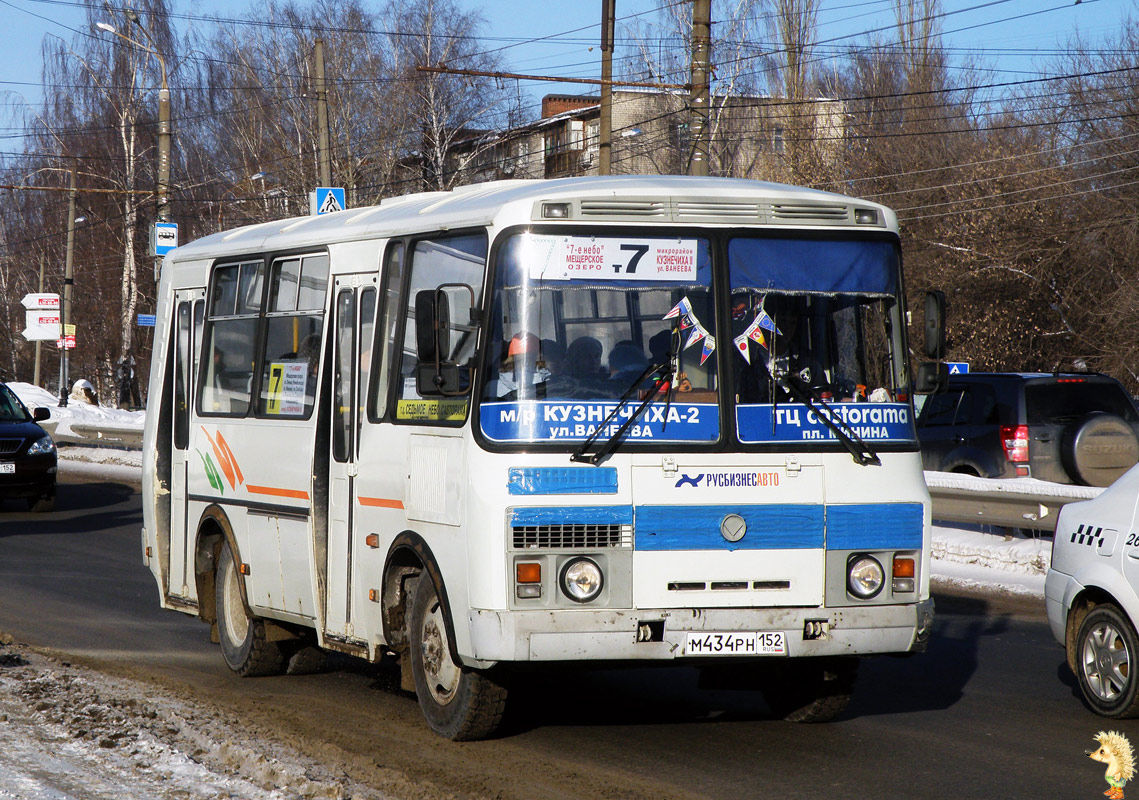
(861, 452)
(667, 370)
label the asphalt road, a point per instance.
(989, 711)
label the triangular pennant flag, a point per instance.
(709, 346)
(698, 333)
(680, 308)
(742, 347)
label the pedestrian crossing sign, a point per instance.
(326, 200)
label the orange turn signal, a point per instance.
(372, 540)
(528, 572)
(903, 567)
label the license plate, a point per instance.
(738, 643)
(7, 469)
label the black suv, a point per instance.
(1065, 428)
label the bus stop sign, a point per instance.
(163, 238)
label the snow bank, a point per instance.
(75, 412)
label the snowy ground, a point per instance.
(72, 733)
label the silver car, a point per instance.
(1091, 595)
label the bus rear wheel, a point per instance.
(460, 704)
(811, 690)
(244, 639)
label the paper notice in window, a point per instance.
(563, 258)
(287, 383)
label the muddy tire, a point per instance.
(244, 642)
(1098, 449)
(460, 704)
(811, 690)
(1106, 658)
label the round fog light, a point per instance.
(581, 580)
(865, 577)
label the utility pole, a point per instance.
(163, 149)
(322, 117)
(605, 149)
(36, 376)
(699, 98)
(65, 310)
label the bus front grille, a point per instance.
(570, 537)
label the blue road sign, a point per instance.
(165, 236)
(329, 199)
(957, 367)
(147, 320)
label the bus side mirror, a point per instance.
(935, 325)
(435, 373)
(932, 377)
(432, 325)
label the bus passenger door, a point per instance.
(189, 305)
(355, 312)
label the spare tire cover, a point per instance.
(1099, 448)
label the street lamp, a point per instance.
(163, 110)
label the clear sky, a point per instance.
(1015, 37)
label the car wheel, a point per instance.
(42, 504)
(459, 703)
(244, 641)
(1107, 652)
(812, 690)
(1099, 448)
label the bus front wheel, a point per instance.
(244, 640)
(459, 703)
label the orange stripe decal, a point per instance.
(275, 492)
(380, 502)
(233, 459)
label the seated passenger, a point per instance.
(626, 364)
(522, 374)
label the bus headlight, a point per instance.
(582, 580)
(864, 577)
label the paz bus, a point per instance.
(528, 424)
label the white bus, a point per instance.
(620, 420)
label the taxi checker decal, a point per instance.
(729, 479)
(1090, 536)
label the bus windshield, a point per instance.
(578, 320)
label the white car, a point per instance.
(1091, 595)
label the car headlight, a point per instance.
(42, 447)
(865, 576)
(582, 580)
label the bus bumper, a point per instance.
(607, 635)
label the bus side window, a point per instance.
(290, 358)
(226, 377)
(393, 286)
(451, 259)
(181, 377)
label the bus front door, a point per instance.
(355, 310)
(188, 308)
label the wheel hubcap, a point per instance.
(1106, 662)
(441, 672)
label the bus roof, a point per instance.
(627, 199)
